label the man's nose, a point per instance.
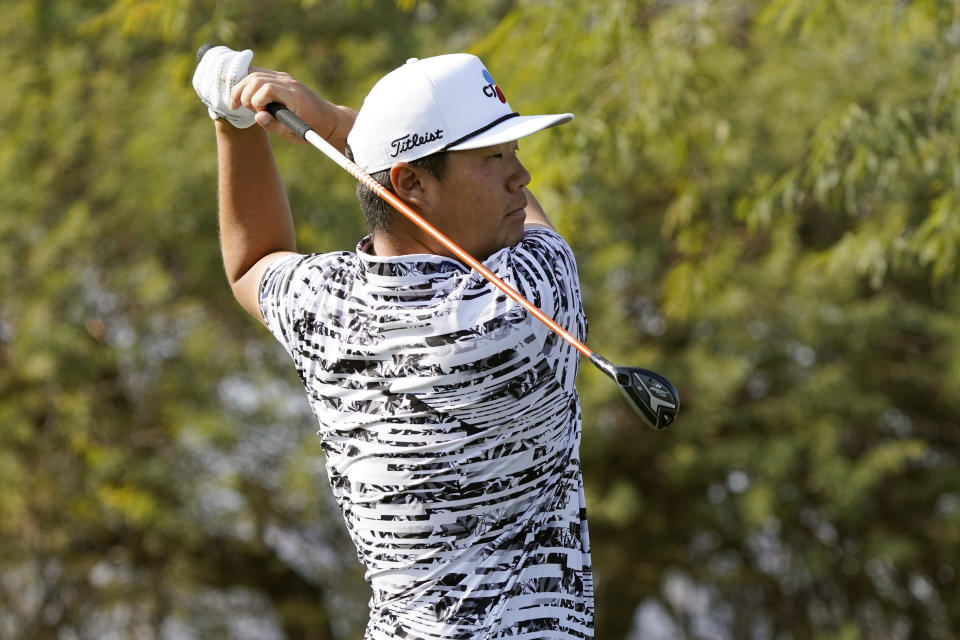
(519, 178)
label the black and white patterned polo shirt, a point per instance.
(451, 428)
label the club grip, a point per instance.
(288, 119)
(202, 50)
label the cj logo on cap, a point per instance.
(491, 90)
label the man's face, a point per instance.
(480, 201)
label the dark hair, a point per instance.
(376, 211)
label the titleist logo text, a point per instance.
(413, 140)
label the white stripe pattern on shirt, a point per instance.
(451, 427)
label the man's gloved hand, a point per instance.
(219, 71)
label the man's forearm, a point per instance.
(535, 213)
(336, 126)
(255, 218)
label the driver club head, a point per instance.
(650, 394)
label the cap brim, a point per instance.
(512, 129)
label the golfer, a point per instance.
(448, 415)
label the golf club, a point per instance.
(650, 394)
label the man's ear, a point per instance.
(409, 183)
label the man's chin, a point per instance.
(514, 239)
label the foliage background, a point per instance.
(763, 198)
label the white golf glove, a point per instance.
(219, 71)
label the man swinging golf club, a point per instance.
(447, 413)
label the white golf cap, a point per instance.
(448, 102)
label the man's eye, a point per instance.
(497, 155)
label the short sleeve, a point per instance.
(288, 288)
(543, 269)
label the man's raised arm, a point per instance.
(256, 225)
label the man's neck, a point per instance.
(386, 245)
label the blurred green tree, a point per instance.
(763, 200)
(158, 459)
